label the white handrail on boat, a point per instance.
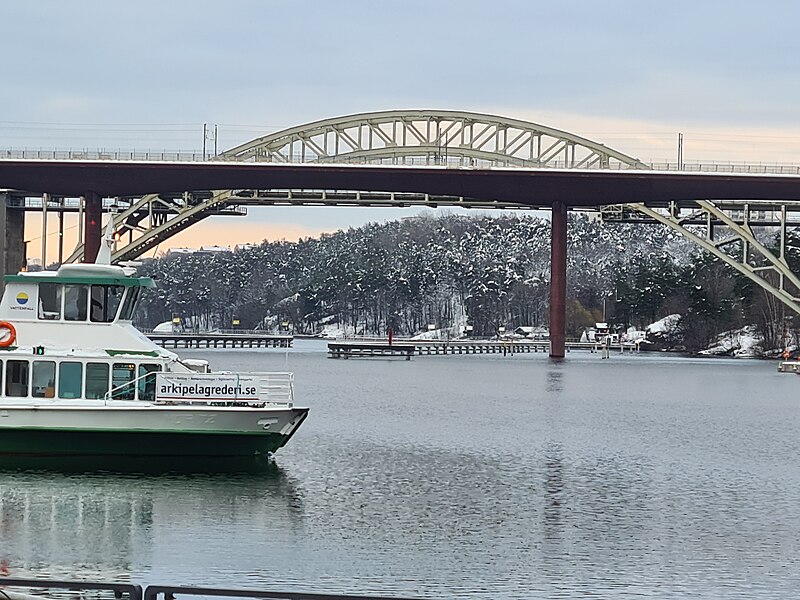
(276, 388)
(109, 395)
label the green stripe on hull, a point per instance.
(59, 442)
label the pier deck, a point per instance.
(220, 340)
(408, 348)
(789, 366)
(367, 349)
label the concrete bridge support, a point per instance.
(558, 280)
(12, 237)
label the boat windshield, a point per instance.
(105, 300)
(129, 304)
(50, 301)
(75, 302)
(98, 303)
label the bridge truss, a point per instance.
(459, 139)
(728, 231)
(423, 137)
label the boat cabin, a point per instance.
(71, 378)
(68, 334)
(71, 295)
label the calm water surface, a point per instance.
(460, 476)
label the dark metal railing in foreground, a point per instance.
(122, 591)
(152, 592)
(127, 591)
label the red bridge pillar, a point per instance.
(558, 280)
(93, 226)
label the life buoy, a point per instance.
(5, 342)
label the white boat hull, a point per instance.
(149, 430)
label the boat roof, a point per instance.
(86, 279)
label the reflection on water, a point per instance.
(49, 523)
(502, 477)
(553, 492)
(138, 465)
(108, 525)
(553, 381)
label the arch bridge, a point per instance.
(451, 138)
(480, 149)
(461, 139)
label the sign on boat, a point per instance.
(78, 379)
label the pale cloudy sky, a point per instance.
(148, 74)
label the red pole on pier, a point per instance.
(558, 280)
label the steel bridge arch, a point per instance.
(456, 138)
(431, 136)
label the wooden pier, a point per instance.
(789, 366)
(367, 349)
(408, 348)
(220, 340)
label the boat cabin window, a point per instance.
(44, 379)
(129, 304)
(50, 301)
(17, 378)
(122, 386)
(147, 381)
(96, 380)
(75, 300)
(105, 302)
(70, 380)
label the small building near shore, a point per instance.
(533, 333)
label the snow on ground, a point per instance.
(665, 325)
(454, 332)
(448, 333)
(331, 331)
(743, 343)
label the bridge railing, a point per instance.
(122, 155)
(451, 161)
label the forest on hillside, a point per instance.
(450, 270)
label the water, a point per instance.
(460, 476)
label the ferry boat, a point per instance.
(78, 379)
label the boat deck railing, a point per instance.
(273, 388)
(120, 392)
(277, 387)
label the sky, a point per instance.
(147, 75)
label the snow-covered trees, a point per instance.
(446, 270)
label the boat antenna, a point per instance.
(106, 244)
